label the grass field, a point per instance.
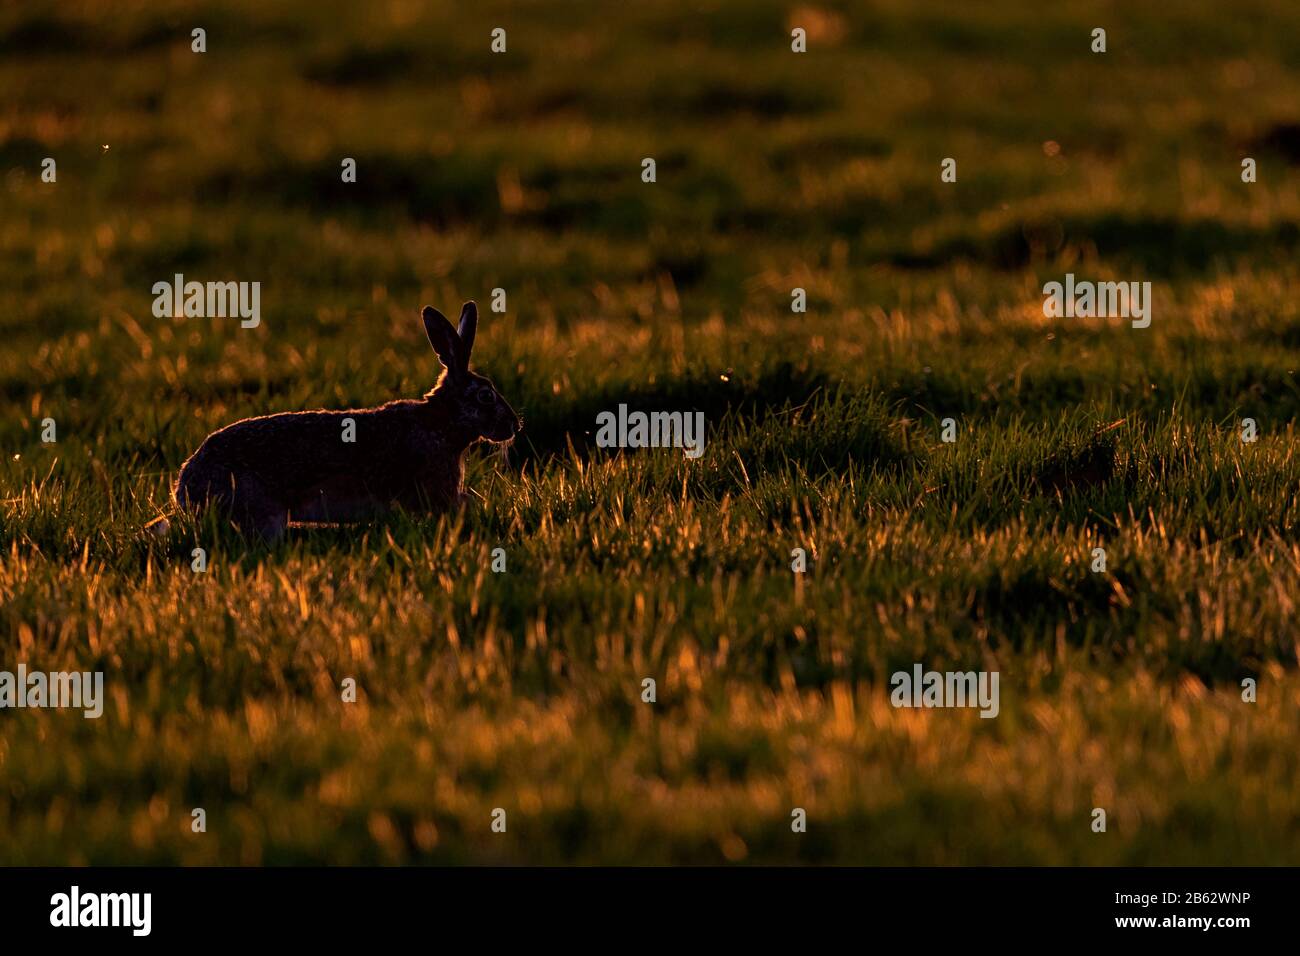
(775, 170)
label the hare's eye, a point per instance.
(485, 396)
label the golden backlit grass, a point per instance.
(521, 690)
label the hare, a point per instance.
(296, 466)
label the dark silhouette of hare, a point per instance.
(296, 466)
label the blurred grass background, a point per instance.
(775, 170)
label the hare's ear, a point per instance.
(441, 336)
(465, 331)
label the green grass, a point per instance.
(522, 690)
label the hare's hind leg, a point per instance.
(251, 505)
(255, 511)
